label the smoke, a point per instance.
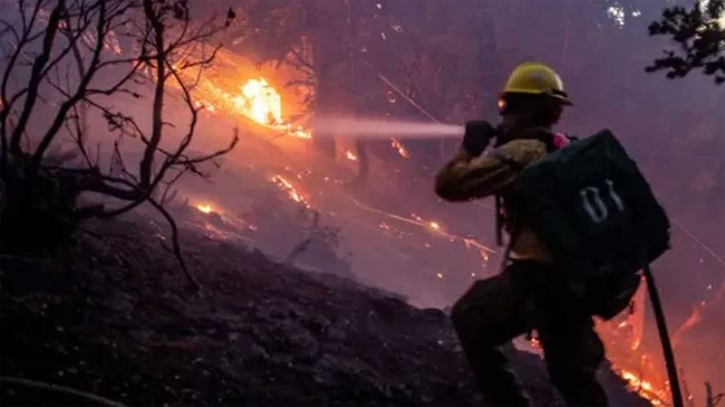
(382, 129)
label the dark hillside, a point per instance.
(119, 323)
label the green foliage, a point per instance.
(701, 40)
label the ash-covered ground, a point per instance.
(118, 320)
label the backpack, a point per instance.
(597, 215)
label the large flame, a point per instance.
(260, 102)
(221, 89)
(256, 99)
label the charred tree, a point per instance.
(84, 55)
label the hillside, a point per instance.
(118, 321)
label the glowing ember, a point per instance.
(291, 190)
(401, 150)
(434, 225)
(204, 208)
(440, 275)
(299, 132)
(351, 156)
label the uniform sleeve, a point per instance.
(467, 177)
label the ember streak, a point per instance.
(292, 192)
(399, 148)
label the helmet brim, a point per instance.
(560, 96)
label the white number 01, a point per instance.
(595, 206)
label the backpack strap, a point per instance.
(499, 220)
(507, 252)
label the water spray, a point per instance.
(383, 129)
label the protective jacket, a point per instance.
(495, 172)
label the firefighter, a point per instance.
(529, 294)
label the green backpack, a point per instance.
(596, 212)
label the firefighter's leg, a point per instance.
(573, 353)
(487, 316)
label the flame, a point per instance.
(351, 156)
(656, 396)
(623, 338)
(260, 102)
(291, 190)
(204, 208)
(219, 91)
(399, 147)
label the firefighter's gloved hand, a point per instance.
(477, 137)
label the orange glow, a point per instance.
(351, 156)
(434, 225)
(204, 208)
(399, 147)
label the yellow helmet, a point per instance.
(536, 78)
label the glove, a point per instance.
(477, 137)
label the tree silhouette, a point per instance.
(70, 58)
(701, 38)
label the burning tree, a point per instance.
(68, 62)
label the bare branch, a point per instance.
(158, 102)
(7, 105)
(176, 247)
(35, 78)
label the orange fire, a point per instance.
(643, 372)
(656, 396)
(204, 208)
(220, 90)
(260, 102)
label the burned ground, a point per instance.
(118, 321)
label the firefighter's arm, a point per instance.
(467, 177)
